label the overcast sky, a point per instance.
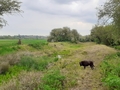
(41, 16)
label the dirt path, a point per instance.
(78, 78)
(91, 79)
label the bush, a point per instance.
(11, 72)
(28, 63)
(56, 59)
(38, 45)
(6, 50)
(52, 80)
(117, 47)
(24, 81)
(118, 54)
(4, 67)
(111, 71)
(31, 63)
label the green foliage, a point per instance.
(109, 12)
(63, 34)
(64, 52)
(10, 45)
(38, 45)
(86, 38)
(117, 47)
(12, 72)
(61, 53)
(52, 80)
(111, 71)
(8, 7)
(26, 63)
(105, 34)
(56, 59)
(4, 67)
(30, 63)
(5, 50)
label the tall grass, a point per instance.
(31, 63)
(27, 63)
(111, 71)
(52, 80)
(12, 72)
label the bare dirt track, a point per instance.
(79, 78)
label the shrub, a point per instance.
(118, 54)
(11, 72)
(38, 45)
(117, 47)
(111, 71)
(28, 63)
(52, 80)
(5, 50)
(32, 63)
(24, 81)
(4, 67)
(56, 59)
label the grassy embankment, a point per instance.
(34, 65)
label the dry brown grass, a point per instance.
(25, 81)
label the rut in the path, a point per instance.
(91, 79)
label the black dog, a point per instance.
(87, 63)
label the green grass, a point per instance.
(12, 72)
(4, 42)
(8, 42)
(39, 57)
(111, 71)
(32, 63)
(8, 46)
(52, 80)
(27, 64)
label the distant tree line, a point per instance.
(23, 37)
(65, 34)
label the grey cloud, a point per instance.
(78, 14)
(69, 1)
(64, 1)
(52, 8)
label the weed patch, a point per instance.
(111, 71)
(52, 80)
(12, 72)
(32, 63)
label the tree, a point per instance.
(74, 36)
(109, 18)
(110, 12)
(63, 34)
(66, 33)
(105, 35)
(8, 7)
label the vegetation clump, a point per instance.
(111, 71)
(52, 80)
